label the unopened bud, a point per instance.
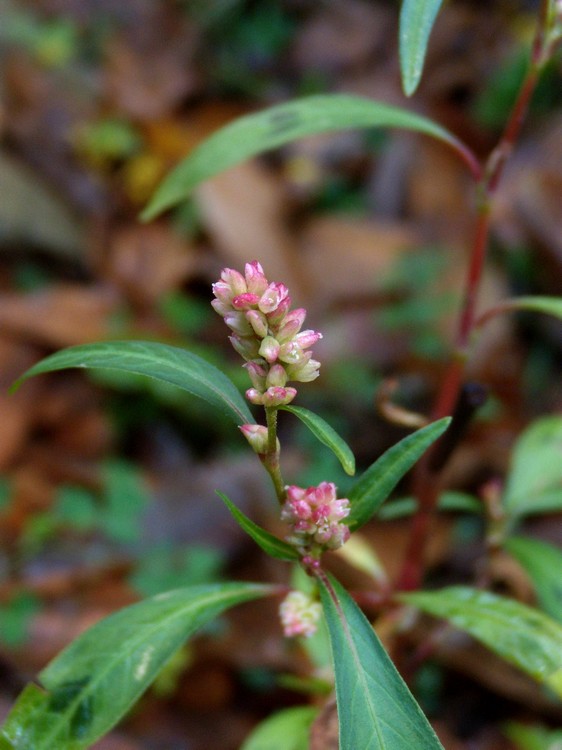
(300, 615)
(256, 435)
(269, 349)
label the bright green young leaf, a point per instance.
(256, 133)
(375, 708)
(95, 681)
(526, 737)
(159, 361)
(375, 485)
(456, 502)
(543, 563)
(416, 21)
(286, 730)
(519, 634)
(547, 305)
(534, 484)
(326, 435)
(269, 543)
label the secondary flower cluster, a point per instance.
(266, 333)
(315, 516)
(299, 615)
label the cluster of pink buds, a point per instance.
(315, 516)
(299, 615)
(266, 333)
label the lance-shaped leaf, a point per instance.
(519, 634)
(456, 502)
(416, 21)
(256, 133)
(288, 729)
(534, 484)
(543, 563)
(378, 481)
(95, 681)
(159, 361)
(375, 708)
(326, 435)
(269, 543)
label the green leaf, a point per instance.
(456, 502)
(375, 708)
(543, 563)
(519, 634)
(534, 484)
(416, 21)
(326, 435)
(547, 305)
(270, 544)
(378, 481)
(527, 737)
(97, 679)
(168, 364)
(285, 730)
(253, 134)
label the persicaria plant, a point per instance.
(92, 684)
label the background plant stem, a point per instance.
(426, 482)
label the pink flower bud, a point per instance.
(276, 396)
(304, 371)
(254, 396)
(256, 435)
(221, 307)
(276, 376)
(291, 325)
(307, 338)
(222, 292)
(244, 301)
(299, 614)
(255, 278)
(237, 322)
(272, 297)
(257, 375)
(269, 349)
(235, 281)
(258, 321)
(290, 352)
(276, 317)
(247, 348)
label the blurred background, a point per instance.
(107, 482)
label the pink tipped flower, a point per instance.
(300, 615)
(255, 278)
(315, 516)
(269, 349)
(277, 396)
(272, 297)
(256, 435)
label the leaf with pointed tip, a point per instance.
(416, 21)
(534, 483)
(519, 634)
(269, 543)
(98, 677)
(169, 364)
(543, 563)
(375, 708)
(326, 435)
(256, 133)
(377, 482)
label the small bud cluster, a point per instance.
(299, 615)
(266, 333)
(315, 516)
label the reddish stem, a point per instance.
(426, 482)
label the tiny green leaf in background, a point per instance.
(169, 364)
(375, 708)
(377, 482)
(519, 634)
(543, 563)
(256, 133)
(546, 305)
(326, 435)
(98, 677)
(527, 737)
(286, 730)
(269, 543)
(416, 21)
(534, 484)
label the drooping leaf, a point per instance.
(543, 563)
(285, 730)
(326, 435)
(519, 634)
(169, 364)
(377, 482)
(416, 21)
(375, 708)
(94, 681)
(534, 484)
(269, 543)
(256, 133)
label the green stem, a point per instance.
(426, 483)
(271, 460)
